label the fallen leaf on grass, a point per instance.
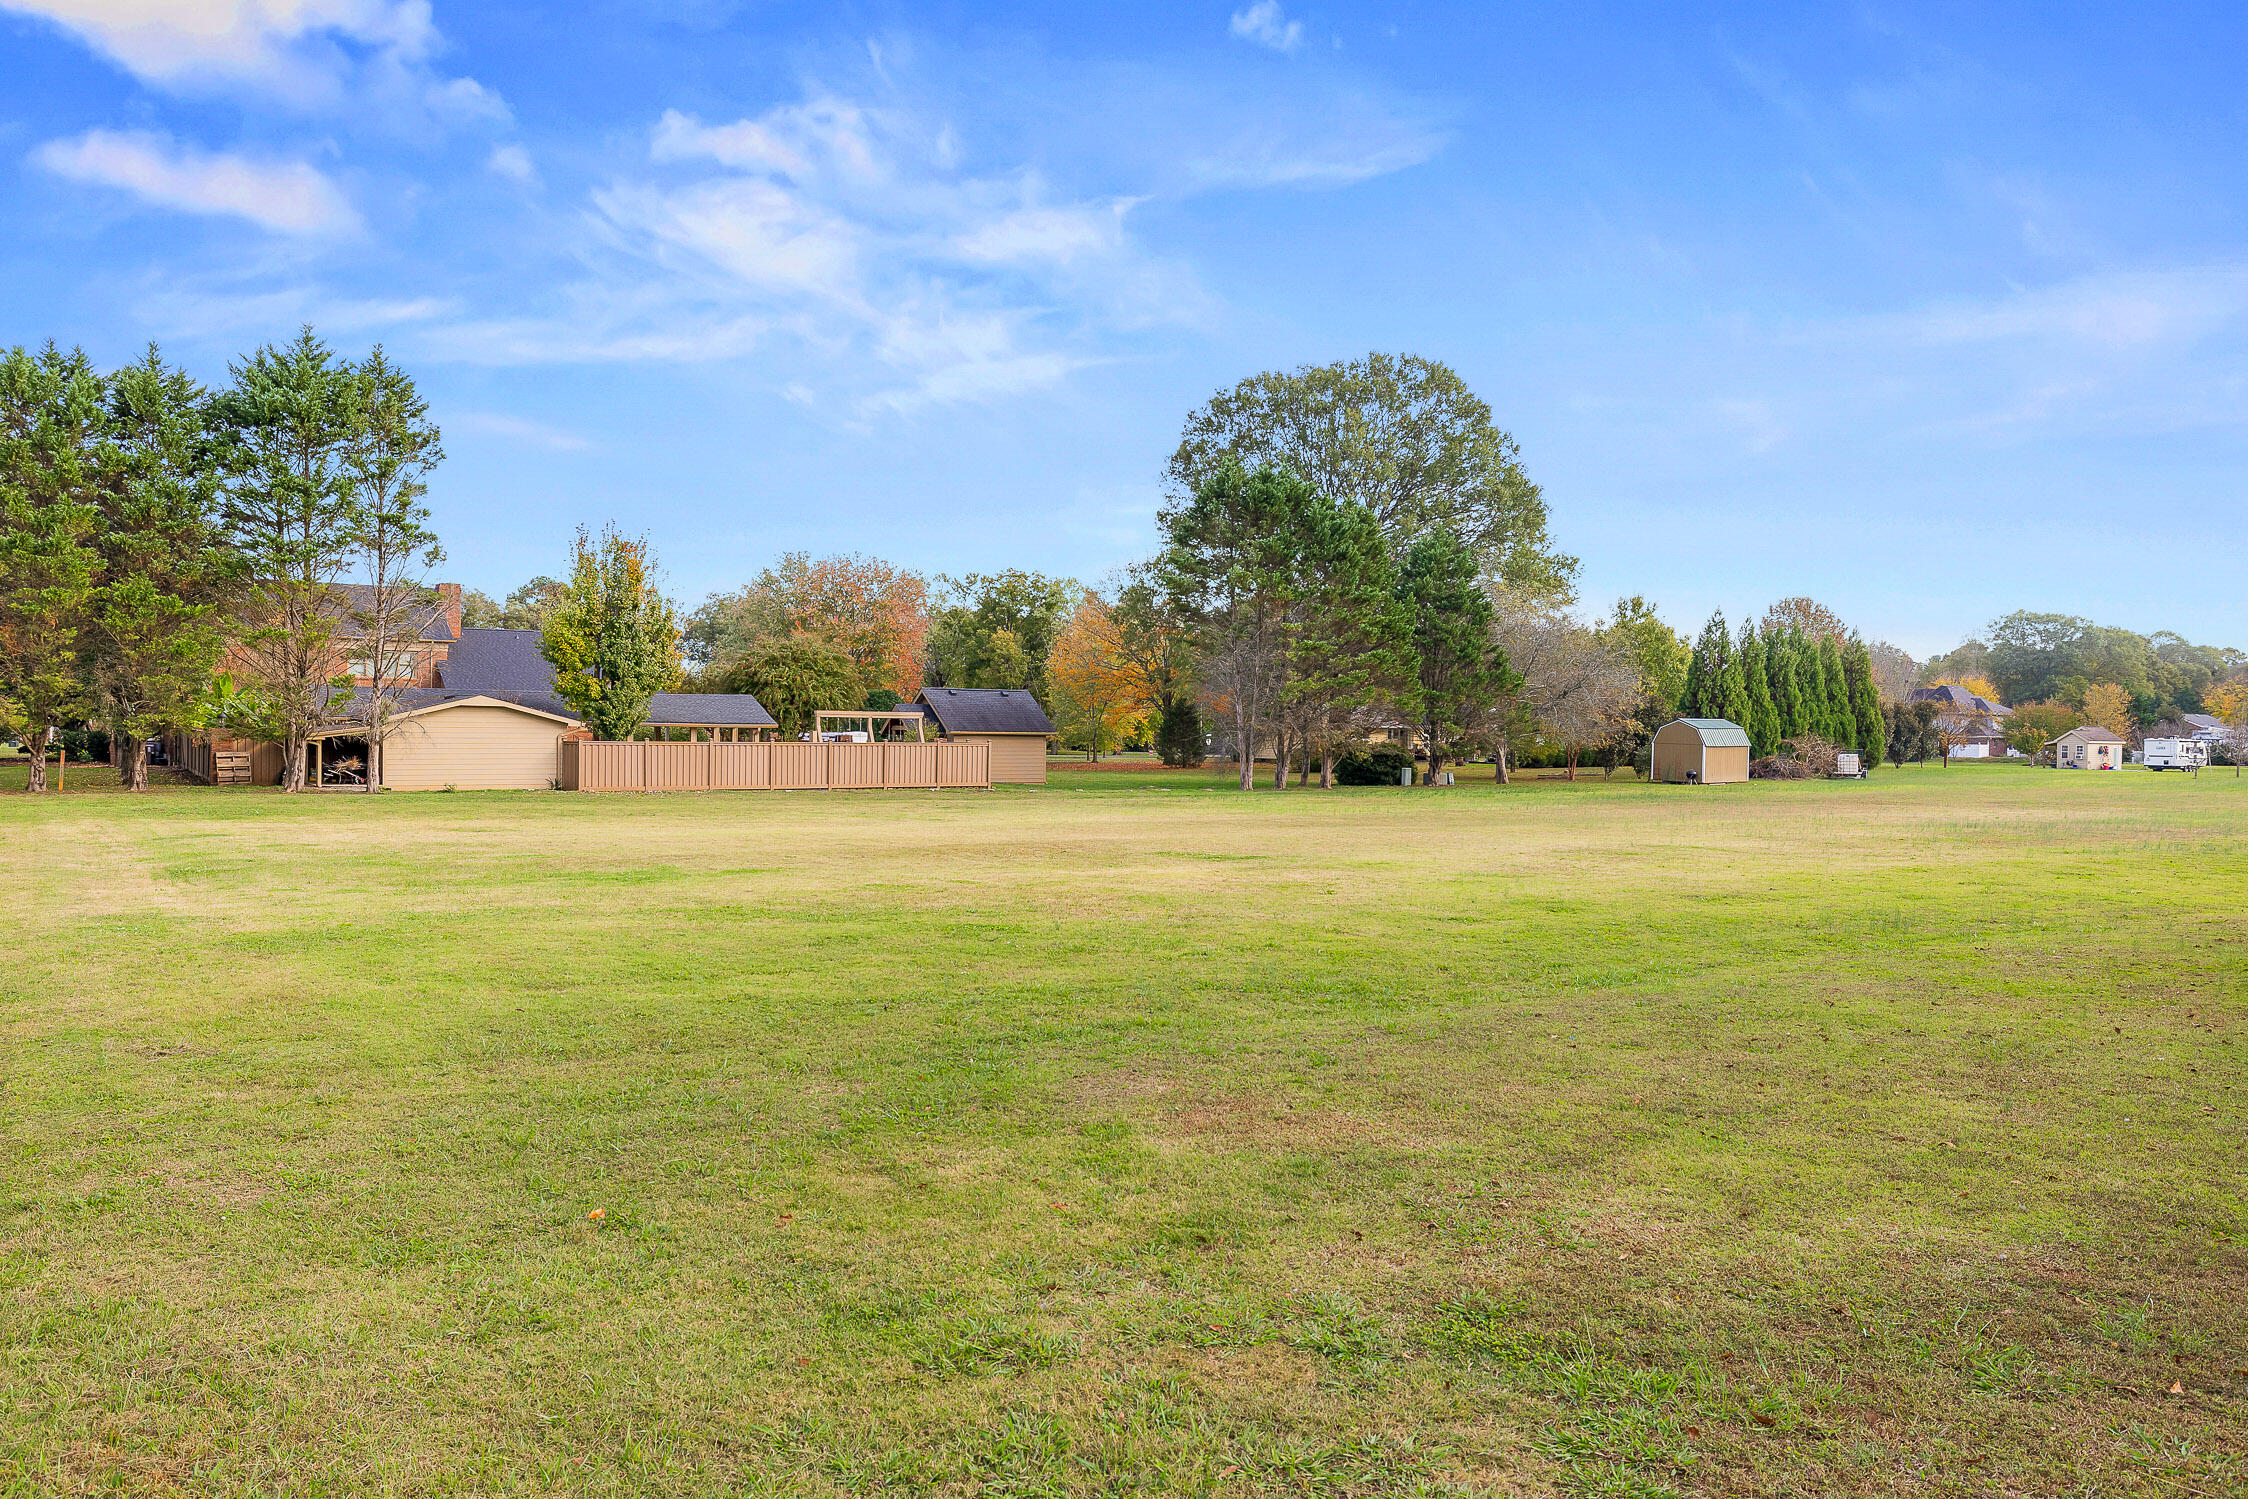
(1763, 1420)
(2177, 1388)
(598, 1214)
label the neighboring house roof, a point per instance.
(717, 709)
(985, 710)
(1715, 733)
(507, 663)
(433, 622)
(1959, 699)
(497, 660)
(2086, 734)
(2207, 723)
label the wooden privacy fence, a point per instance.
(785, 765)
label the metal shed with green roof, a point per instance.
(1699, 751)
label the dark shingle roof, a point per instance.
(497, 660)
(435, 625)
(1959, 698)
(718, 709)
(507, 664)
(986, 710)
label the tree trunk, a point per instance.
(134, 768)
(292, 763)
(1499, 756)
(1572, 765)
(1435, 755)
(1327, 769)
(38, 747)
(1244, 747)
(1279, 758)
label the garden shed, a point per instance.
(1006, 718)
(2087, 747)
(1699, 751)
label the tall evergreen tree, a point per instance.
(1732, 688)
(1353, 645)
(1702, 696)
(1783, 665)
(154, 634)
(394, 446)
(1462, 671)
(289, 509)
(1865, 701)
(1228, 570)
(1763, 721)
(52, 425)
(1834, 696)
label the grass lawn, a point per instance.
(1129, 1136)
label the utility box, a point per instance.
(1847, 767)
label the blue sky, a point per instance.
(1930, 312)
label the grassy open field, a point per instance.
(1130, 1136)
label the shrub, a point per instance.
(1375, 765)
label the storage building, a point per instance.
(1699, 751)
(2089, 747)
(1006, 718)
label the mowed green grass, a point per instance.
(1130, 1136)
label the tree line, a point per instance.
(151, 528)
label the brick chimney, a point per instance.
(451, 594)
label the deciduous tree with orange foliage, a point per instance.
(876, 614)
(1098, 698)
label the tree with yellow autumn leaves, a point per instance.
(1098, 702)
(2108, 706)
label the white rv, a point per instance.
(2176, 754)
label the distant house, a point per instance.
(2205, 727)
(1006, 718)
(1974, 725)
(2088, 747)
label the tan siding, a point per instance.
(1019, 759)
(1676, 755)
(1727, 763)
(474, 749)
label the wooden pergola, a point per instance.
(920, 721)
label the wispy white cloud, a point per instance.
(307, 54)
(519, 429)
(855, 234)
(288, 197)
(195, 309)
(1356, 139)
(1264, 24)
(512, 162)
(2113, 310)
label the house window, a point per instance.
(400, 665)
